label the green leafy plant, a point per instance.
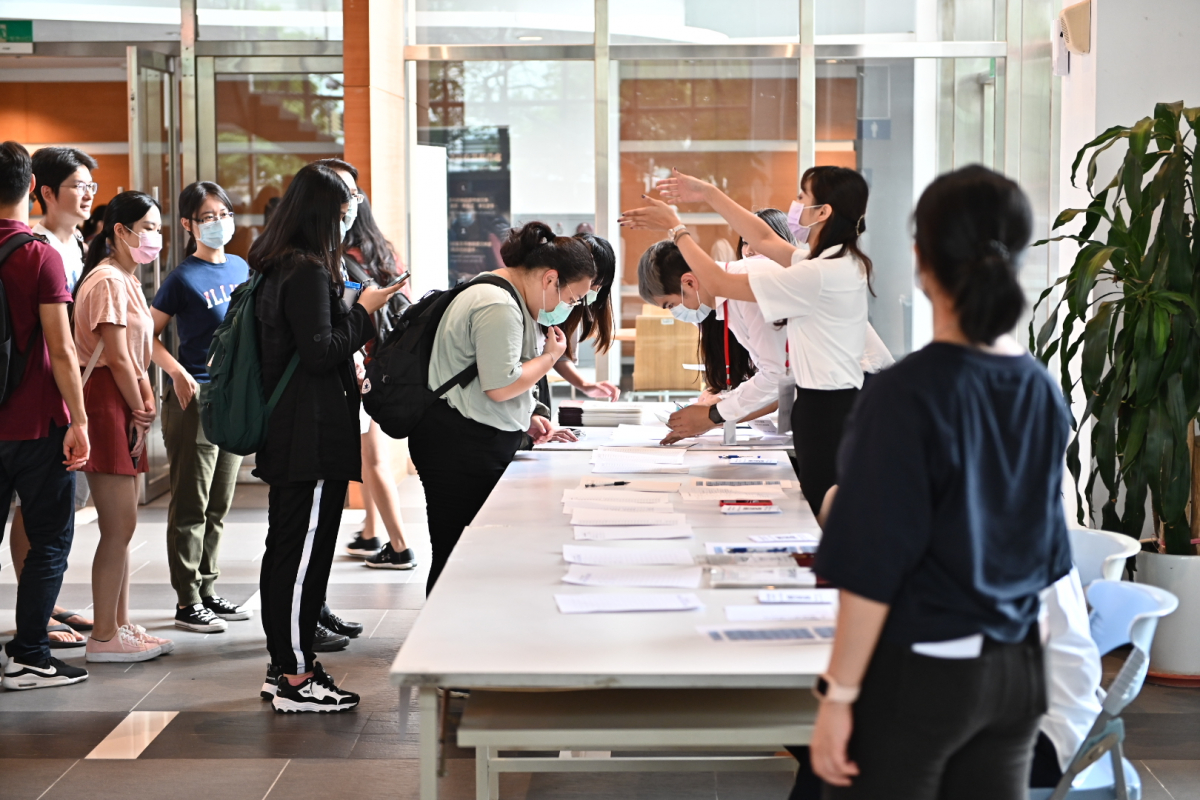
(1134, 346)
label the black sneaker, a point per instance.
(338, 625)
(326, 641)
(200, 619)
(50, 672)
(387, 558)
(225, 609)
(316, 693)
(363, 547)
(270, 682)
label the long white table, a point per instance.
(492, 622)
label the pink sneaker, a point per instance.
(166, 644)
(126, 646)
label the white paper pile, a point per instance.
(644, 577)
(608, 603)
(605, 533)
(744, 577)
(626, 556)
(617, 460)
(604, 516)
(728, 489)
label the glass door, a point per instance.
(154, 169)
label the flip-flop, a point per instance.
(65, 617)
(54, 643)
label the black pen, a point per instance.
(597, 485)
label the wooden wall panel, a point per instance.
(49, 113)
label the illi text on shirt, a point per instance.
(220, 295)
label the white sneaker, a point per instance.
(126, 646)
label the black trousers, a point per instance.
(818, 417)
(302, 530)
(459, 462)
(947, 729)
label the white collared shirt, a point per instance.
(824, 301)
(767, 345)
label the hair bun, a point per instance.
(523, 241)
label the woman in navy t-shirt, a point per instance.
(196, 295)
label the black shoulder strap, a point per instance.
(17, 240)
(469, 374)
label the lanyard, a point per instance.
(728, 383)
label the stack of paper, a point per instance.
(625, 556)
(624, 602)
(805, 542)
(598, 414)
(738, 548)
(748, 560)
(663, 577)
(603, 533)
(742, 577)
(604, 516)
(716, 489)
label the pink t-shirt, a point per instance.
(110, 294)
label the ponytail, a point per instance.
(972, 226)
(535, 245)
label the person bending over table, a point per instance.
(823, 297)
(467, 439)
(948, 523)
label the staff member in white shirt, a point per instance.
(823, 297)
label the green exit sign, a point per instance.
(16, 30)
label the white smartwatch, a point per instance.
(827, 689)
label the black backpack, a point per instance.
(395, 391)
(12, 358)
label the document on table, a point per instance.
(660, 455)
(615, 505)
(799, 538)
(635, 459)
(748, 560)
(739, 548)
(743, 577)
(608, 467)
(600, 533)
(798, 596)
(661, 577)
(712, 489)
(626, 556)
(601, 516)
(776, 634)
(625, 602)
(616, 494)
(602, 484)
(819, 611)
(640, 433)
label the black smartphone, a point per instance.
(132, 444)
(398, 280)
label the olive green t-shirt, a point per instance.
(486, 326)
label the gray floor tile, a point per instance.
(53, 734)
(190, 779)
(28, 778)
(1162, 736)
(1179, 779)
(260, 733)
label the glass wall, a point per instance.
(269, 20)
(504, 22)
(269, 126)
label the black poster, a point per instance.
(479, 195)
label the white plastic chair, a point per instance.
(1100, 555)
(1122, 613)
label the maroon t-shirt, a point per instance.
(33, 276)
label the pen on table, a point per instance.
(735, 455)
(597, 485)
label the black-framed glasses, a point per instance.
(207, 218)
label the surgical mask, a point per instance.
(692, 315)
(555, 317)
(591, 296)
(148, 248)
(216, 234)
(348, 220)
(793, 221)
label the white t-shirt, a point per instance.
(824, 301)
(71, 252)
(767, 345)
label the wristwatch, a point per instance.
(826, 688)
(714, 416)
(677, 231)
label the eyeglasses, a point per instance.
(84, 188)
(207, 218)
(357, 197)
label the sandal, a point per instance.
(65, 617)
(57, 643)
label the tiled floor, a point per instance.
(221, 742)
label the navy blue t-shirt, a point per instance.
(949, 504)
(196, 293)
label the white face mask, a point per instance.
(216, 234)
(692, 315)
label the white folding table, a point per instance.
(492, 623)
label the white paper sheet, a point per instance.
(600, 533)
(800, 538)
(616, 494)
(660, 455)
(745, 577)
(737, 548)
(662, 577)
(734, 488)
(626, 556)
(769, 634)
(614, 505)
(668, 487)
(798, 596)
(821, 611)
(606, 603)
(600, 516)
(626, 468)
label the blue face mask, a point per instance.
(591, 296)
(348, 221)
(557, 316)
(692, 315)
(216, 234)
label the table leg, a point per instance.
(428, 704)
(493, 775)
(482, 778)
(405, 707)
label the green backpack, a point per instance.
(232, 409)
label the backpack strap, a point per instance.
(11, 245)
(283, 382)
(470, 373)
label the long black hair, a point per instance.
(378, 258)
(190, 200)
(597, 318)
(659, 271)
(972, 226)
(305, 225)
(126, 208)
(535, 245)
(845, 192)
(778, 222)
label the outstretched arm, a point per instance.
(758, 234)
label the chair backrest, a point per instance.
(1100, 555)
(1127, 613)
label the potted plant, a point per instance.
(1127, 333)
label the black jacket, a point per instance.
(313, 432)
